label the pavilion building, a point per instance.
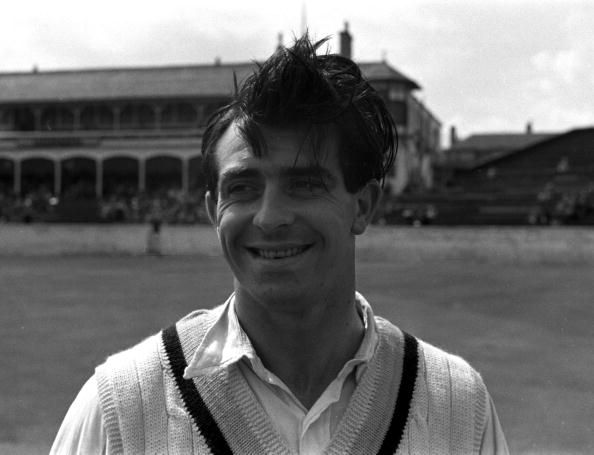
(100, 130)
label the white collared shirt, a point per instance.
(306, 431)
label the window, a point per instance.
(398, 109)
(396, 93)
(57, 118)
(210, 108)
(179, 115)
(6, 120)
(96, 118)
(23, 119)
(137, 116)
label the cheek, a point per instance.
(222, 208)
(230, 223)
(341, 212)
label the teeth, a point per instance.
(280, 254)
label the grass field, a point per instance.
(526, 328)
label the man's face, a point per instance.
(285, 221)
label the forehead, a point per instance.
(286, 148)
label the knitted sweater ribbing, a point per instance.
(144, 412)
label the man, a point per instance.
(295, 361)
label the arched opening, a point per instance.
(163, 175)
(8, 200)
(37, 176)
(120, 176)
(78, 178)
(121, 200)
(194, 210)
(197, 178)
(96, 118)
(78, 202)
(57, 119)
(6, 176)
(35, 199)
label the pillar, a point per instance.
(99, 178)
(157, 111)
(57, 177)
(141, 174)
(116, 117)
(185, 176)
(16, 181)
(76, 118)
(346, 42)
(37, 115)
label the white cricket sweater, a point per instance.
(413, 398)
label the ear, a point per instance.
(211, 207)
(367, 199)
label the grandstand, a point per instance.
(112, 144)
(550, 181)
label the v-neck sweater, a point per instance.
(147, 408)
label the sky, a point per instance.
(484, 66)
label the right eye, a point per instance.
(308, 186)
(241, 189)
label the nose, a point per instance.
(274, 210)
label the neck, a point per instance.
(304, 345)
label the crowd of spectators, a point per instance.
(557, 206)
(121, 205)
(37, 204)
(170, 205)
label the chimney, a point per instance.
(279, 45)
(529, 128)
(453, 136)
(346, 41)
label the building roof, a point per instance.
(193, 81)
(121, 83)
(382, 71)
(478, 149)
(500, 141)
(536, 147)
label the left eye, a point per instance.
(240, 188)
(308, 185)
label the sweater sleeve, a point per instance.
(82, 430)
(493, 440)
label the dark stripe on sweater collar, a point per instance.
(215, 440)
(410, 366)
(193, 402)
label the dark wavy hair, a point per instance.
(321, 94)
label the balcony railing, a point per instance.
(91, 137)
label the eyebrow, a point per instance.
(239, 173)
(306, 171)
(292, 171)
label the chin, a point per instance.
(280, 293)
(277, 295)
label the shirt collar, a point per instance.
(369, 342)
(225, 343)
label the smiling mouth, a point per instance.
(278, 253)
